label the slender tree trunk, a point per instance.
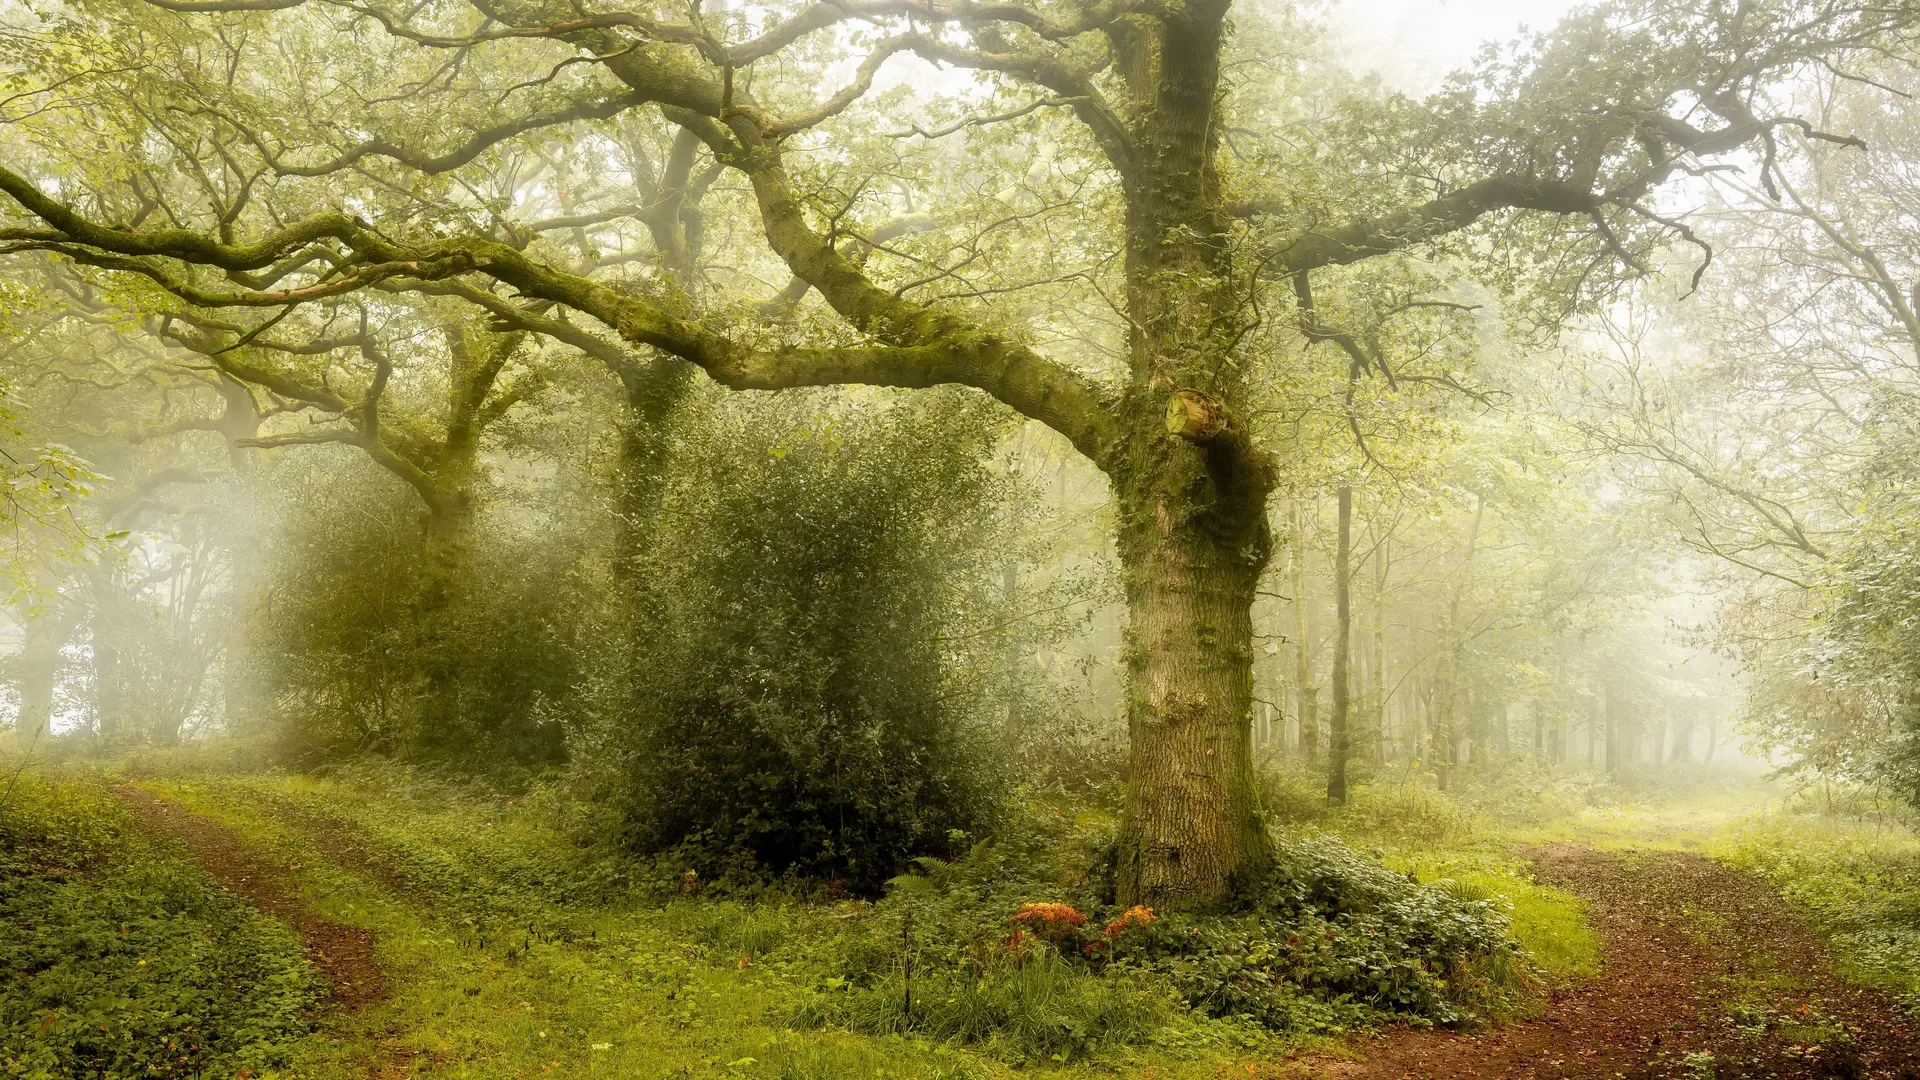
(1615, 760)
(1276, 718)
(1593, 727)
(1309, 694)
(1450, 659)
(1377, 689)
(1416, 721)
(1014, 673)
(1443, 722)
(1342, 646)
(1276, 714)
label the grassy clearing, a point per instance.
(122, 959)
(1849, 861)
(518, 954)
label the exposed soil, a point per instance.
(1708, 974)
(344, 847)
(343, 955)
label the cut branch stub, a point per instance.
(1196, 416)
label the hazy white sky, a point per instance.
(1414, 43)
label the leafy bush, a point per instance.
(1347, 929)
(1013, 946)
(343, 646)
(122, 960)
(812, 688)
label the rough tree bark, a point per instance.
(1193, 508)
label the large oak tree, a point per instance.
(285, 153)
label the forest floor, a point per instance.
(1698, 939)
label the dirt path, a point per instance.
(1708, 975)
(343, 955)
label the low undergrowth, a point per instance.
(517, 944)
(1855, 874)
(1468, 843)
(1012, 947)
(122, 959)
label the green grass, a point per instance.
(531, 950)
(1848, 861)
(120, 958)
(1448, 840)
(1857, 877)
(518, 949)
(518, 953)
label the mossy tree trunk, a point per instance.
(1194, 538)
(447, 474)
(1192, 827)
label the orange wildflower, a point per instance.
(1055, 922)
(1137, 915)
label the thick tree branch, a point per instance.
(919, 348)
(476, 144)
(183, 244)
(1310, 249)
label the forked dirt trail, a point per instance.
(1708, 975)
(343, 955)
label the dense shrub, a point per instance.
(341, 643)
(811, 689)
(122, 960)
